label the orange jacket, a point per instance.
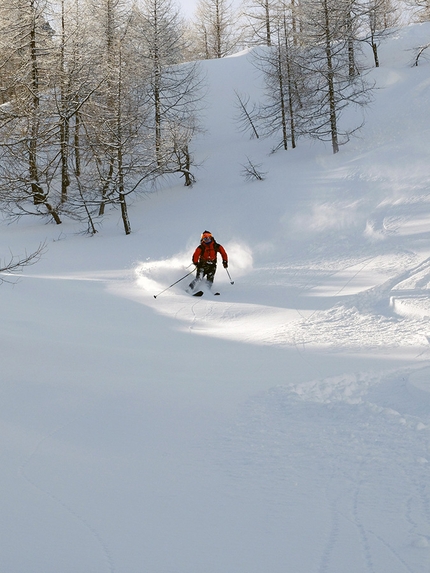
(208, 253)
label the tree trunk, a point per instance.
(218, 30)
(64, 120)
(64, 145)
(330, 80)
(32, 159)
(76, 144)
(290, 86)
(267, 18)
(282, 98)
(351, 51)
(39, 197)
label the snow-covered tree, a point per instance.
(378, 19)
(27, 158)
(75, 82)
(421, 10)
(172, 86)
(215, 29)
(108, 133)
(258, 15)
(327, 59)
(284, 84)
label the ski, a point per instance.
(201, 293)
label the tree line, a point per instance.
(310, 57)
(99, 98)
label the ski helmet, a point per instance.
(206, 237)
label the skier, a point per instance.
(205, 259)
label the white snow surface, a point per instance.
(283, 426)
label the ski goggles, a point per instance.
(207, 238)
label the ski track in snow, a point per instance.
(330, 474)
(369, 458)
(25, 472)
(382, 317)
(366, 444)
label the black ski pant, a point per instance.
(206, 270)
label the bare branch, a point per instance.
(245, 118)
(420, 51)
(15, 264)
(251, 171)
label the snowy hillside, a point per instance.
(282, 426)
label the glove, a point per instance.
(225, 264)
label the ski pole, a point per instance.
(173, 284)
(231, 282)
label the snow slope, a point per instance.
(283, 426)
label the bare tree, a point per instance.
(421, 10)
(27, 163)
(252, 171)
(138, 119)
(279, 113)
(215, 31)
(326, 58)
(75, 83)
(93, 108)
(173, 88)
(111, 145)
(258, 15)
(378, 20)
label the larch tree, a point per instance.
(327, 58)
(279, 113)
(173, 88)
(111, 121)
(378, 20)
(215, 29)
(421, 10)
(27, 159)
(74, 85)
(261, 16)
(258, 16)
